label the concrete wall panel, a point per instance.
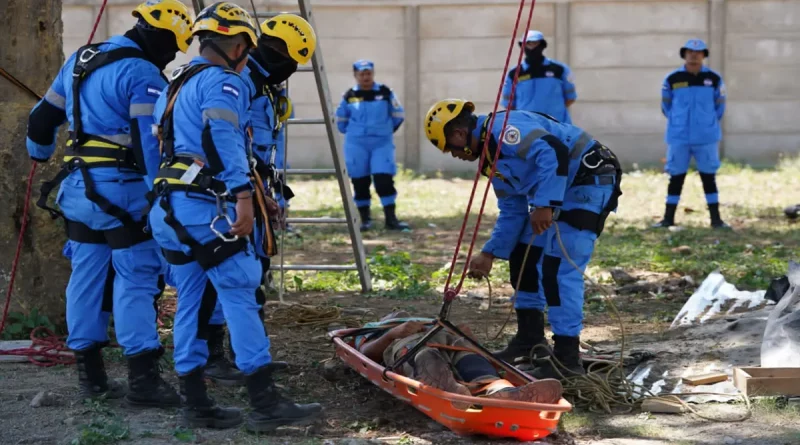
(638, 18)
(762, 116)
(481, 21)
(647, 50)
(749, 16)
(617, 117)
(619, 84)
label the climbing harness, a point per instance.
(46, 349)
(88, 151)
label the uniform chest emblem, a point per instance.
(379, 97)
(549, 74)
(708, 82)
(511, 136)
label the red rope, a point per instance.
(48, 349)
(451, 293)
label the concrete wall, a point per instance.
(619, 50)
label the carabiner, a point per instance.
(219, 234)
(591, 167)
(82, 58)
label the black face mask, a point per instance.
(277, 65)
(534, 56)
(159, 45)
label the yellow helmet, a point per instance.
(227, 19)
(440, 114)
(171, 15)
(300, 38)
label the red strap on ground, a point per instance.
(46, 349)
(451, 293)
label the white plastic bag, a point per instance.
(781, 345)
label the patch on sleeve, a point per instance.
(723, 91)
(395, 102)
(571, 78)
(230, 89)
(511, 136)
(153, 91)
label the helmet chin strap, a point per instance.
(232, 63)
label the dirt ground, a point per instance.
(356, 412)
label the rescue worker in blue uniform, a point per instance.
(107, 91)
(693, 101)
(544, 85)
(547, 172)
(202, 215)
(269, 64)
(368, 115)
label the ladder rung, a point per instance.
(317, 120)
(266, 15)
(317, 220)
(311, 171)
(305, 69)
(336, 267)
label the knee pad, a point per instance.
(361, 188)
(208, 303)
(384, 184)
(108, 289)
(709, 183)
(550, 266)
(676, 184)
(530, 274)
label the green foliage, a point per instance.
(393, 275)
(19, 326)
(184, 435)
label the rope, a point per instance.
(297, 315)
(450, 294)
(609, 390)
(19, 84)
(50, 346)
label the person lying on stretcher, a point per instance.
(446, 362)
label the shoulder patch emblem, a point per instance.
(511, 136)
(153, 91)
(230, 89)
(571, 78)
(722, 90)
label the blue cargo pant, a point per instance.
(708, 163)
(91, 297)
(235, 280)
(555, 284)
(367, 156)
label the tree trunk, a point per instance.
(30, 50)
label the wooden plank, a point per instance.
(705, 379)
(663, 406)
(8, 345)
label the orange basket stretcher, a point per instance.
(484, 416)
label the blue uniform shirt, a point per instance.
(262, 113)
(112, 99)
(693, 105)
(538, 159)
(376, 112)
(545, 88)
(213, 106)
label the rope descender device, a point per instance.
(222, 212)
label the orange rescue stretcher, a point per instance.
(461, 414)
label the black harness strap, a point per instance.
(81, 146)
(88, 59)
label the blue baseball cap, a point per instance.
(694, 45)
(363, 65)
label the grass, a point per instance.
(104, 427)
(751, 200)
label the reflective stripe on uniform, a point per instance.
(141, 110)
(55, 98)
(221, 114)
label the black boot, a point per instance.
(146, 387)
(669, 217)
(92, 379)
(530, 332)
(366, 220)
(270, 408)
(567, 351)
(716, 221)
(792, 212)
(392, 223)
(198, 410)
(218, 368)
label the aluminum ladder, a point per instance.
(351, 215)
